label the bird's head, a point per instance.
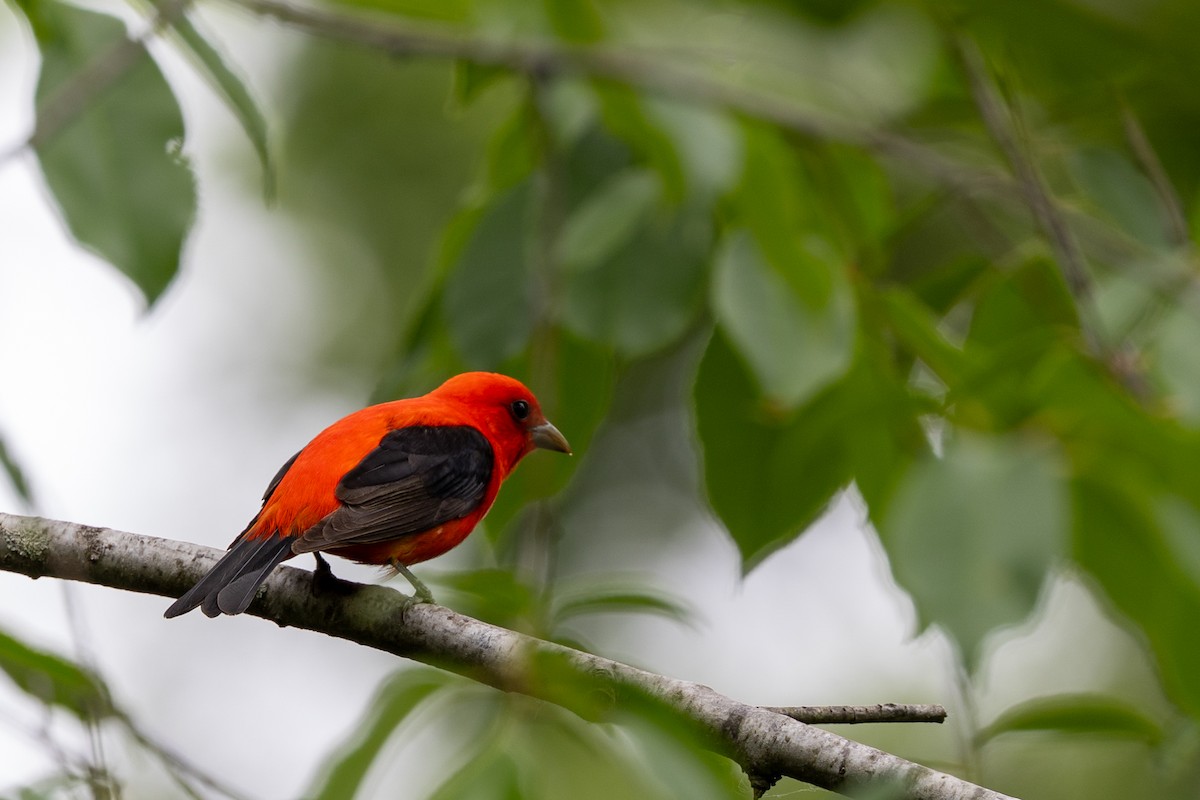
(509, 410)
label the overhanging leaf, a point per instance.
(607, 219)
(496, 596)
(488, 298)
(395, 700)
(616, 597)
(1075, 713)
(643, 297)
(793, 346)
(489, 775)
(769, 472)
(233, 91)
(54, 680)
(16, 475)
(1117, 541)
(768, 475)
(972, 535)
(116, 170)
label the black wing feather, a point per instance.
(279, 476)
(418, 477)
(245, 556)
(236, 596)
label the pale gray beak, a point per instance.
(547, 437)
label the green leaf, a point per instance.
(54, 680)
(488, 300)
(511, 151)
(625, 114)
(858, 199)
(915, 326)
(707, 143)
(607, 219)
(116, 169)
(972, 535)
(1179, 522)
(230, 87)
(793, 347)
(681, 764)
(496, 596)
(569, 110)
(16, 475)
(490, 775)
(53, 785)
(1023, 336)
(575, 20)
(941, 286)
(576, 601)
(648, 292)
(1176, 363)
(343, 774)
(768, 474)
(560, 755)
(472, 79)
(1075, 714)
(778, 203)
(1120, 192)
(1117, 541)
(1031, 302)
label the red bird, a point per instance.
(395, 484)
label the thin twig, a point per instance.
(1146, 157)
(69, 764)
(997, 119)
(179, 768)
(100, 776)
(857, 715)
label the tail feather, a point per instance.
(245, 561)
(246, 558)
(236, 596)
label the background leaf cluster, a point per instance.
(797, 213)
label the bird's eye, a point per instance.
(520, 409)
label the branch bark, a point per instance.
(766, 744)
(857, 715)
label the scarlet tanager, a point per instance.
(396, 484)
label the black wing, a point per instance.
(416, 479)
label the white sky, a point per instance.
(170, 423)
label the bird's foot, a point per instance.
(324, 582)
(421, 593)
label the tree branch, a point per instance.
(763, 742)
(857, 715)
(1000, 120)
(1070, 229)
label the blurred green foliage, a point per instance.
(110, 143)
(808, 194)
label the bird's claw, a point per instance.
(421, 593)
(325, 582)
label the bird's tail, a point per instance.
(230, 586)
